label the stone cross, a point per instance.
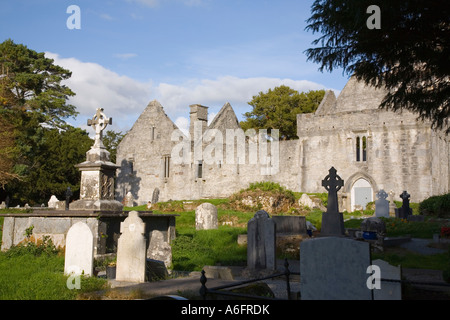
(405, 210)
(99, 122)
(332, 183)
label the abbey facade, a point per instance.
(370, 148)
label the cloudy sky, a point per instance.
(127, 53)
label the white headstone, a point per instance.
(79, 256)
(131, 250)
(206, 217)
(261, 239)
(382, 205)
(334, 268)
(129, 200)
(53, 202)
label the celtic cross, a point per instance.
(332, 183)
(99, 122)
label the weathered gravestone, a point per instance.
(295, 225)
(332, 219)
(206, 217)
(392, 205)
(261, 239)
(334, 268)
(405, 210)
(131, 250)
(382, 205)
(52, 203)
(79, 255)
(155, 195)
(129, 200)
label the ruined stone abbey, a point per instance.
(370, 148)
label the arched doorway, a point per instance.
(361, 194)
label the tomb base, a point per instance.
(104, 205)
(332, 224)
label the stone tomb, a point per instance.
(105, 227)
(334, 268)
(131, 250)
(261, 238)
(79, 254)
(206, 217)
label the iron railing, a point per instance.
(219, 290)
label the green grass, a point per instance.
(28, 275)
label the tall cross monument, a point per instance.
(332, 220)
(97, 172)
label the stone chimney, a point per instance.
(198, 113)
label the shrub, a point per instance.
(437, 206)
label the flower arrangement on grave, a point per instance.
(445, 232)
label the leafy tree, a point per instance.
(7, 152)
(53, 166)
(278, 108)
(409, 54)
(32, 100)
(30, 82)
(111, 140)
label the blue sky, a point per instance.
(179, 52)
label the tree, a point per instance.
(30, 82)
(409, 54)
(111, 140)
(32, 99)
(7, 152)
(278, 108)
(53, 166)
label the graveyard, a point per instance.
(96, 247)
(194, 249)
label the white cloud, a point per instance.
(124, 98)
(215, 93)
(95, 86)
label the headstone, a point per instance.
(3, 205)
(261, 239)
(332, 219)
(206, 217)
(389, 290)
(155, 195)
(131, 250)
(129, 200)
(334, 268)
(7, 200)
(373, 224)
(405, 210)
(159, 249)
(382, 205)
(69, 194)
(290, 224)
(392, 205)
(79, 252)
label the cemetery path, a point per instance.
(421, 246)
